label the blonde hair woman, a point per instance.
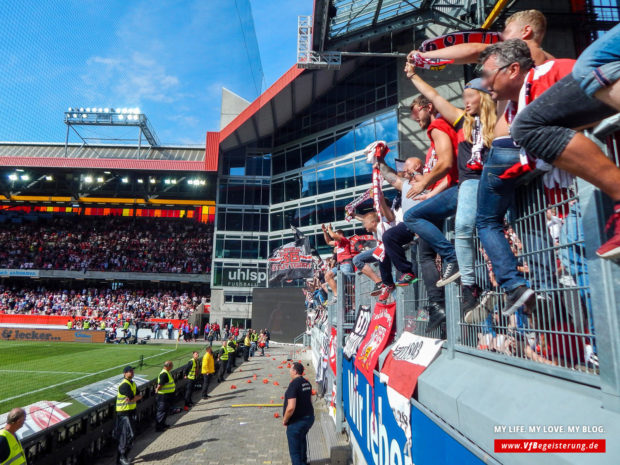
(475, 125)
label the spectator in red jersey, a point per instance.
(546, 128)
(344, 258)
(508, 72)
(440, 173)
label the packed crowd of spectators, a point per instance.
(534, 299)
(97, 303)
(154, 245)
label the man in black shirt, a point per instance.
(126, 400)
(11, 450)
(164, 393)
(298, 414)
(191, 369)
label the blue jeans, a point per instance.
(599, 64)
(297, 442)
(426, 220)
(363, 258)
(464, 229)
(495, 196)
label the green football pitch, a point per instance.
(31, 372)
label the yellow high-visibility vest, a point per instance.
(192, 372)
(123, 404)
(16, 455)
(167, 388)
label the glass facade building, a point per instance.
(303, 174)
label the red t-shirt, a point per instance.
(431, 156)
(343, 252)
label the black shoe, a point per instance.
(522, 295)
(450, 273)
(377, 289)
(469, 297)
(436, 316)
(123, 460)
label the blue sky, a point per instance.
(170, 58)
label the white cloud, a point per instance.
(132, 80)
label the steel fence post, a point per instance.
(605, 289)
(339, 346)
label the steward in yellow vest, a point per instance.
(165, 393)
(126, 400)
(11, 450)
(190, 375)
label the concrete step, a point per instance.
(326, 445)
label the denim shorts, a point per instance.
(346, 267)
(599, 64)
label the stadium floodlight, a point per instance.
(125, 180)
(25, 177)
(70, 109)
(74, 115)
(203, 182)
(88, 179)
(137, 111)
(13, 177)
(106, 110)
(190, 181)
(124, 111)
(121, 117)
(49, 178)
(84, 116)
(99, 179)
(107, 172)
(173, 181)
(81, 109)
(140, 181)
(88, 110)
(152, 180)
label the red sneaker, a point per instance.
(386, 292)
(611, 248)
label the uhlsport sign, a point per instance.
(244, 277)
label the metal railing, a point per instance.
(574, 330)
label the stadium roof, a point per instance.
(341, 22)
(287, 97)
(56, 155)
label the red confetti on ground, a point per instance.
(276, 415)
(281, 397)
(271, 401)
(299, 361)
(283, 362)
(265, 381)
(314, 392)
(288, 366)
(280, 367)
(249, 381)
(275, 383)
(270, 376)
(232, 386)
(273, 358)
(254, 376)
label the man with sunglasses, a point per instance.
(508, 72)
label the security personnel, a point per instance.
(246, 347)
(254, 339)
(11, 450)
(125, 328)
(102, 325)
(86, 324)
(207, 369)
(69, 324)
(223, 363)
(231, 348)
(190, 375)
(165, 394)
(126, 400)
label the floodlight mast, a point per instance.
(98, 116)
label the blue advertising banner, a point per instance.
(379, 437)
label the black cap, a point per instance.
(127, 369)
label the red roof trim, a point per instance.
(103, 163)
(212, 151)
(261, 101)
